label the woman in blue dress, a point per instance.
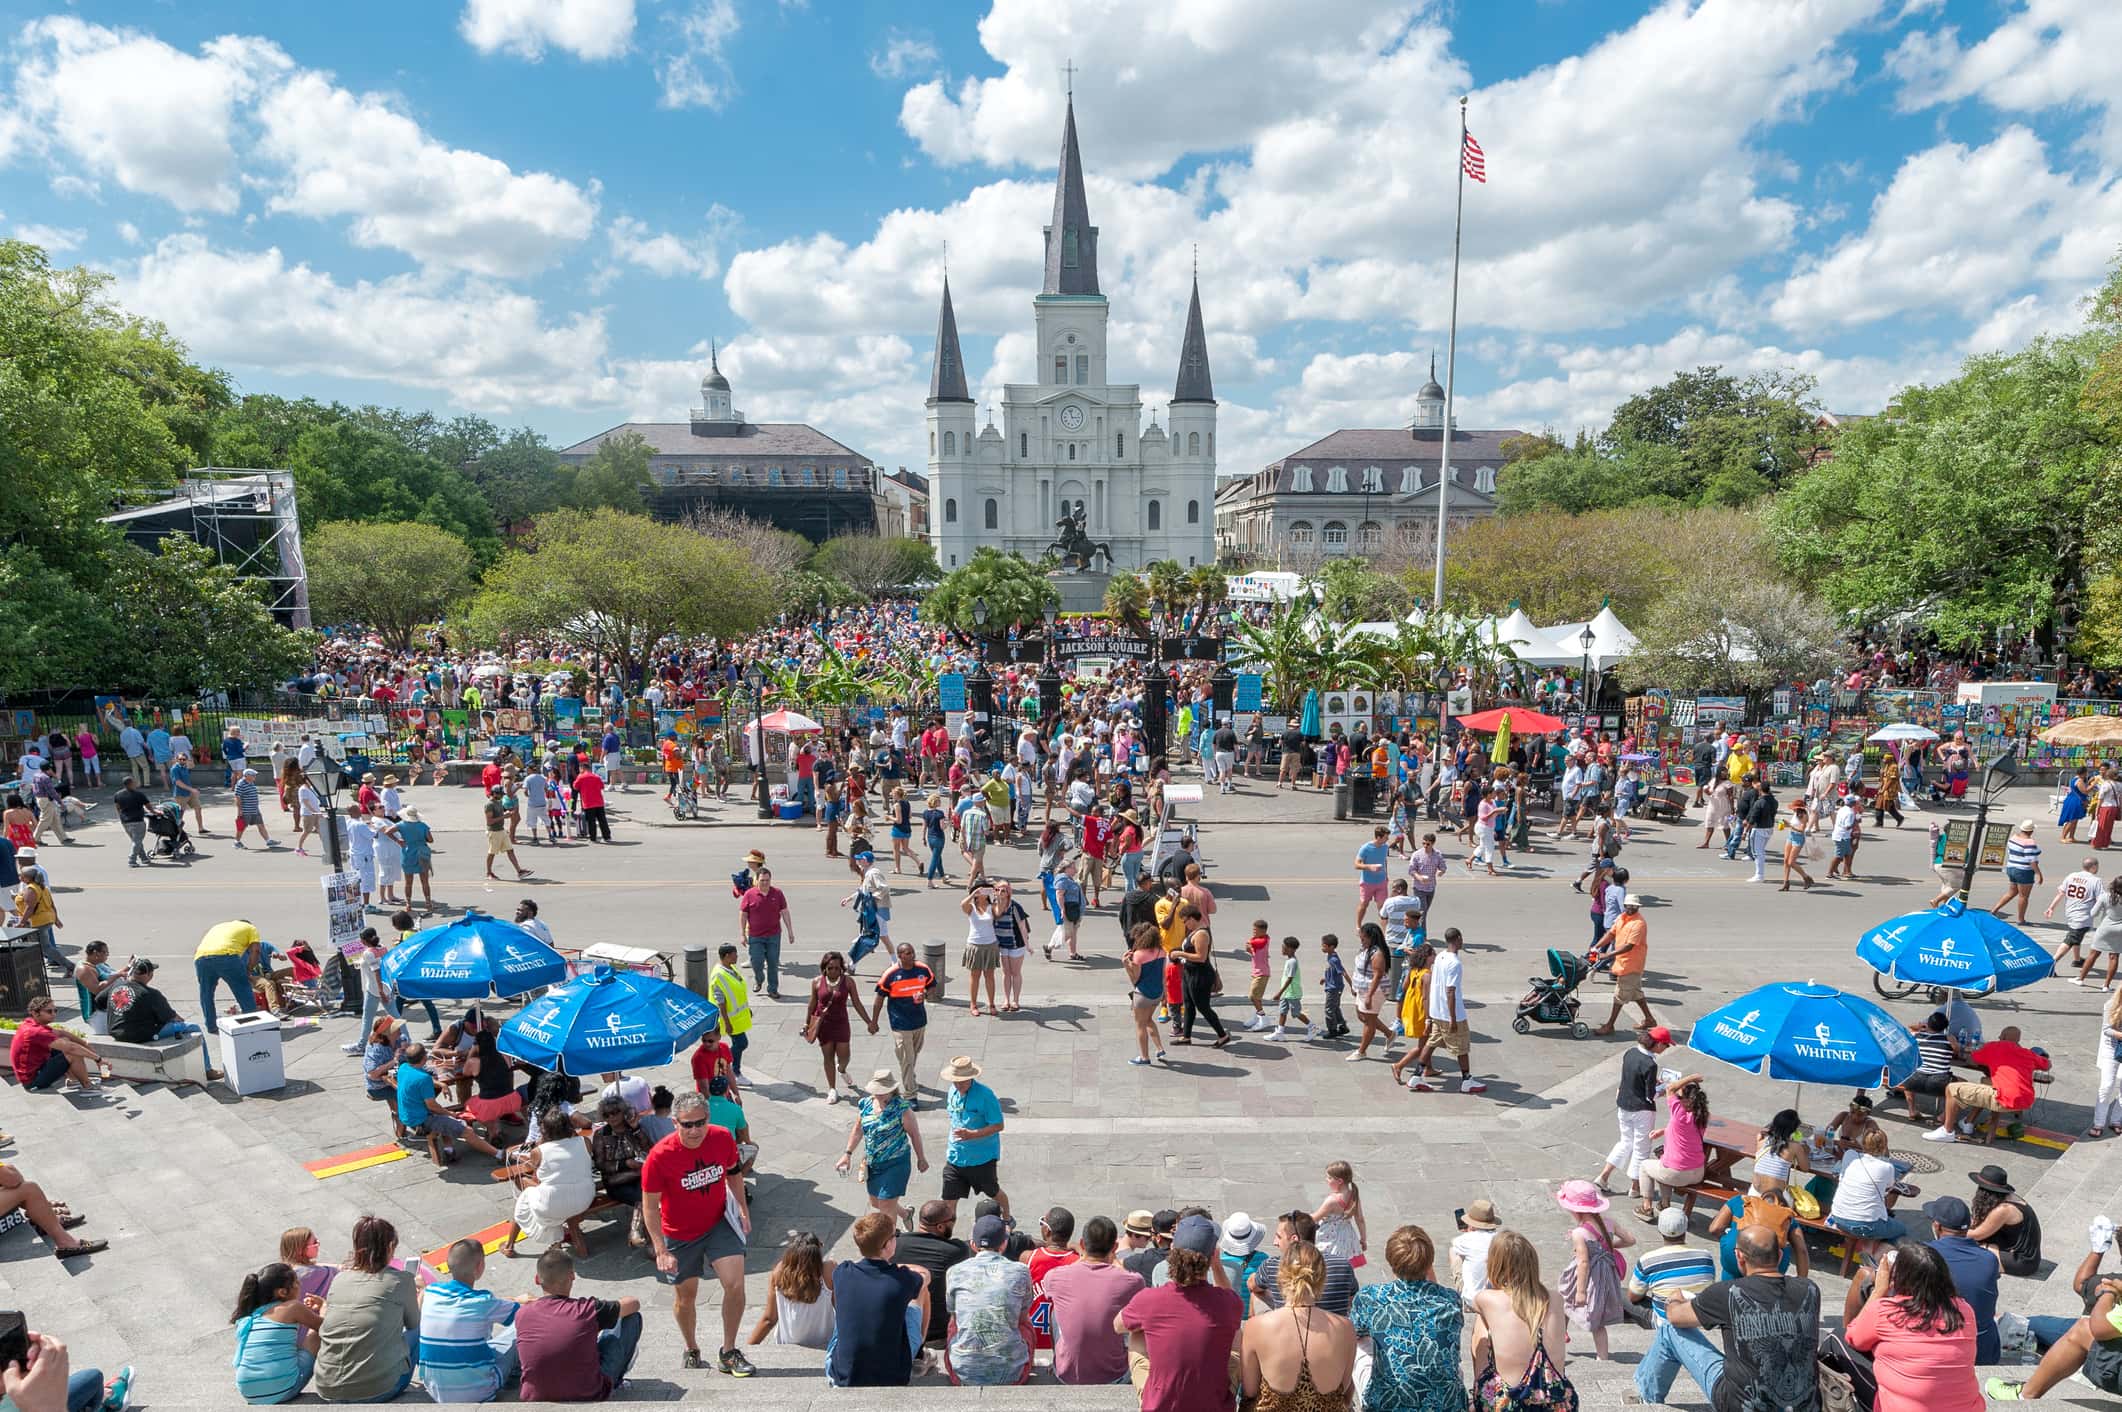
(2076, 795)
(416, 848)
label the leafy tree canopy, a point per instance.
(390, 576)
(1013, 589)
(875, 565)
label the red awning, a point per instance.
(1523, 721)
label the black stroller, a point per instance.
(166, 822)
(1553, 997)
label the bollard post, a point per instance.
(932, 954)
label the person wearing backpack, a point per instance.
(1591, 1283)
(1769, 1208)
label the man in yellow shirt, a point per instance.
(219, 959)
(733, 999)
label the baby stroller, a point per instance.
(166, 822)
(1553, 997)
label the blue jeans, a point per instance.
(2048, 1329)
(935, 859)
(914, 1331)
(1131, 869)
(1672, 1349)
(222, 970)
(395, 1008)
(766, 962)
(53, 956)
(738, 1043)
(175, 1028)
(615, 1348)
(84, 1390)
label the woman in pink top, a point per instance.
(1920, 1335)
(91, 762)
(1681, 1163)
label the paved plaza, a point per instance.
(193, 1187)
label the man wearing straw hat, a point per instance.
(973, 1160)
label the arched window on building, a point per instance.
(932, 441)
(1369, 537)
(773, 475)
(1193, 512)
(1193, 443)
(1119, 445)
(1156, 515)
(1024, 444)
(1301, 532)
(1061, 369)
(950, 511)
(1072, 451)
(1336, 537)
(1337, 480)
(991, 513)
(950, 443)
(1083, 368)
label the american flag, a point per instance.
(1470, 158)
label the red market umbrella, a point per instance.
(1523, 721)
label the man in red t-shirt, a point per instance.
(766, 917)
(688, 1184)
(2010, 1088)
(1184, 1330)
(589, 793)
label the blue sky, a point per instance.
(541, 210)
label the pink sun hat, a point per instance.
(1581, 1197)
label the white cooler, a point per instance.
(250, 1053)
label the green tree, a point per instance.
(1561, 567)
(520, 478)
(1352, 592)
(1127, 601)
(875, 565)
(1976, 506)
(182, 621)
(1716, 633)
(606, 582)
(616, 476)
(390, 577)
(1013, 589)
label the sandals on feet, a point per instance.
(86, 1247)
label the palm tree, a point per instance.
(1127, 600)
(1167, 583)
(1206, 587)
(1279, 648)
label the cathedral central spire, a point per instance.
(1071, 240)
(946, 381)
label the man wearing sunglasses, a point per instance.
(692, 1202)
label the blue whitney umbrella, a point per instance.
(1954, 945)
(607, 1020)
(1309, 721)
(470, 959)
(1808, 1033)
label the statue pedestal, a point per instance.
(1082, 590)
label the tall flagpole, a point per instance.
(1451, 362)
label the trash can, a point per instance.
(250, 1053)
(1342, 791)
(932, 954)
(697, 967)
(22, 980)
(1363, 796)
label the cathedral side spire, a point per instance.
(946, 382)
(1071, 240)
(1194, 384)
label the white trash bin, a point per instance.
(250, 1053)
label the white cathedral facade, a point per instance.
(1073, 440)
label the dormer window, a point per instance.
(1337, 480)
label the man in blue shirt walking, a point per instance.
(972, 1161)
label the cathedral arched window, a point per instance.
(932, 443)
(991, 513)
(1337, 480)
(950, 443)
(950, 511)
(1193, 512)
(1072, 451)
(1156, 514)
(1083, 368)
(1299, 479)
(1061, 368)
(1120, 445)
(1193, 443)
(1024, 444)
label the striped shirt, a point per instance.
(1937, 1052)
(1669, 1270)
(2021, 853)
(246, 798)
(457, 1363)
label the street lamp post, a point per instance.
(327, 776)
(1156, 686)
(755, 678)
(1585, 640)
(980, 688)
(1996, 779)
(1050, 670)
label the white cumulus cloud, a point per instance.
(694, 68)
(587, 29)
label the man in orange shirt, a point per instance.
(1627, 942)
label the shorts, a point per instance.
(2074, 936)
(888, 1182)
(1891, 1228)
(1844, 847)
(697, 1257)
(1672, 1176)
(1970, 1095)
(1928, 1082)
(1371, 892)
(1072, 912)
(438, 1124)
(1628, 989)
(497, 843)
(2019, 877)
(51, 1071)
(1258, 991)
(493, 1110)
(1290, 1009)
(960, 1182)
(1452, 1036)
